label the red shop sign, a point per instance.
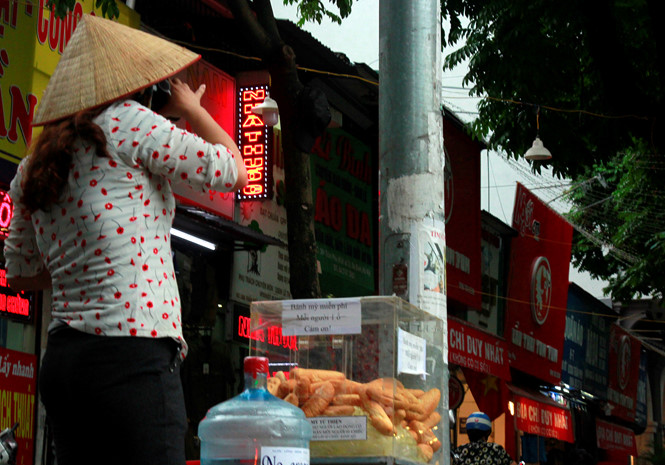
(614, 437)
(18, 372)
(543, 419)
(476, 350)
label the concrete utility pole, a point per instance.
(411, 162)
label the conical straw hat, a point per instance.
(105, 61)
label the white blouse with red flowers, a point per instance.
(106, 242)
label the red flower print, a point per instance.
(133, 240)
(166, 157)
(98, 252)
(93, 183)
(144, 267)
(97, 316)
(85, 268)
(153, 333)
(184, 176)
(228, 185)
(79, 203)
(120, 230)
(149, 304)
(174, 325)
(200, 154)
(183, 157)
(155, 155)
(120, 326)
(107, 260)
(117, 294)
(136, 129)
(135, 143)
(155, 251)
(133, 218)
(63, 211)
(76, 174)
(132, 331)
(83, 243)
(53, 236)
(104, 192)
(218, 173)
(131, 320)
(199, 170)
(127, 306)
(115, 129)
(98, 331)
(165, 316)
(110, 272)
(133, 286)
(129, 175)
(108, 206)
(146, 203)
(112, 163)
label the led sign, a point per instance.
(253, 144)
(6, 208)
(272, 334)
(12, 305)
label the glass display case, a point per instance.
(366, 371)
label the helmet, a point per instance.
(479, 421)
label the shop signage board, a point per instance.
(474, 349)
(6, 211)
(13, 305)
(543, 419)
(462, 216)
(342, 171)
(610, 436)
(264, 274)
(596, 360)
(624, 373)
(18, 372)
(31, 43)
(219, 101)
(537, 287)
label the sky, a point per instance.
(358, 38)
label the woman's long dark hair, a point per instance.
(51, 158)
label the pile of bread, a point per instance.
(386, 402)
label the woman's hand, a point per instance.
(183, 101)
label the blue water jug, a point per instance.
(255, 427)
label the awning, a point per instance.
(225, 233)
(610, 436)
(538, 414)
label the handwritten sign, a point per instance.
(316, 317)
(411, 353)
(339, 428)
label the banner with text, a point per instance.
(543, 419)
(342, 187)
(477, 350)
(537, 287)
(624, 373)
(614, 437)
(18, 372)
(462, 215)
(32, 40)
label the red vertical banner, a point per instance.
(18, 382)
(462, 210)
(537, 287)
(624, 373)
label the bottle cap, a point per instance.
(255, 365)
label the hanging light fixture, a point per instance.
(538, 152)
(268, 111)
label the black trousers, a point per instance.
(113, 400)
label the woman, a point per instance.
(92, 218)
(478, 450)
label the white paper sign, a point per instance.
(284, 456)
(427, 267)
(339, 428)
(315, 317)
(411, 354)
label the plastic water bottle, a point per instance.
(255, 427)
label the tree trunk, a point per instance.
(279, 58)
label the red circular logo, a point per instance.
(541, 290)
